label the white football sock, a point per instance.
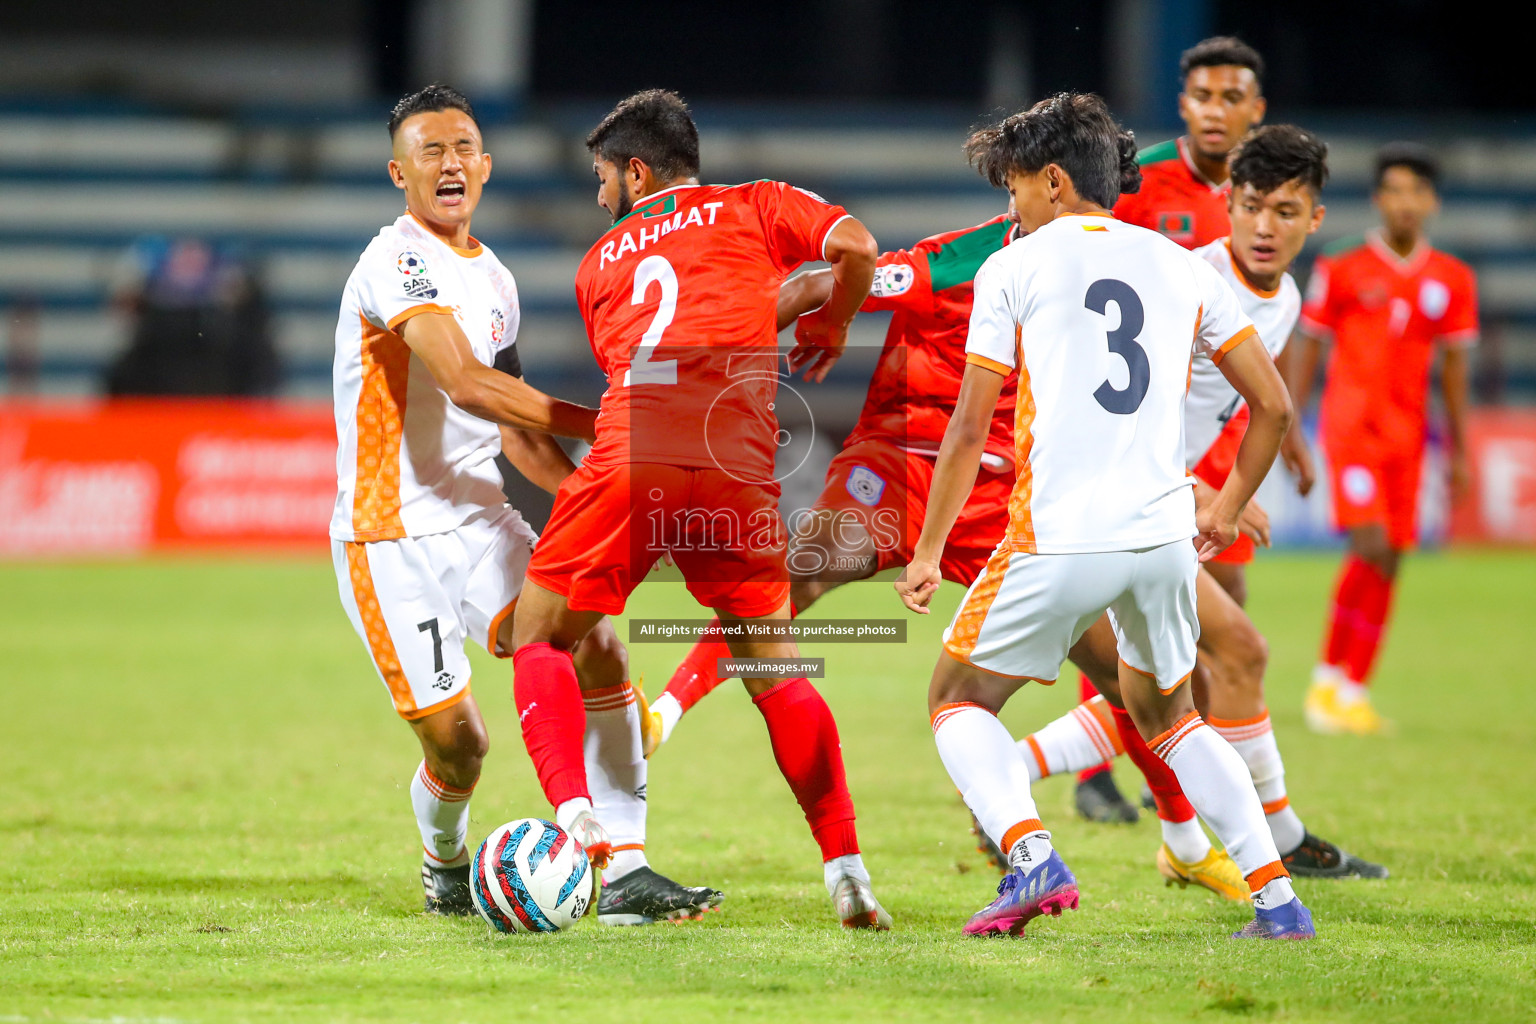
(1030, 851)
(850, 865)
(670, 711)
(1216, 782)
(616, 772)
(1351, 692)
(1081, 738)
(1186, 840)
(442, 814)
(566, 813)
(1277, 892)
(1254, 741)
(989, 770)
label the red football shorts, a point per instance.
(1214, 468)
(1373, 483)
(886, 488)
(611, 524)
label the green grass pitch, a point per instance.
(206, 818)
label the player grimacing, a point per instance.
(1101, 516)
(428, 554)
(679, 299)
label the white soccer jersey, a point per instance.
(1101, 319)
(1212, 401)
(409, 462)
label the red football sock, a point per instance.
(806, 746)
(549, 707)
(1343, 617)
(1375, 604)
(1171, 803)
(1086, 691)
(696, 676)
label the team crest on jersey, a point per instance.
(894, 279)
(865, 485)
(1434, 298)
(1178, 226)
(411, 264)
(498, 326)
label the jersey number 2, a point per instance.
(1122, 342)
(653, 269)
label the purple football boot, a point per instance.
(1048, 888)
(1287, 921)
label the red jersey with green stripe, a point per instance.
(914, 388)
(680, 302)
(1175, 199)
(1386, 315)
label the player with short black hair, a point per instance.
(1101, 516)
(1221, 52)
(1073, 130)
(430, 99)
(679, 300)
(427, 552)
(1389, 303)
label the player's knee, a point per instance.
(601, 660)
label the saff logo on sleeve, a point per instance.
(411, 264)
(892, 279)
(865, 485)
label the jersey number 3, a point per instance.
(653, 270)
(1122, 342)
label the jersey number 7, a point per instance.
(1122, 342)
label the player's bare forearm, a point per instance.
(1454, 375)
(1250, 370)
(488, 393)
(1299, 364)
(954, 474)
(803, 293)
(537, 456)
(851, 251)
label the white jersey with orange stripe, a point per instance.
(409, 462)
(1212, 401)
(1100, 319)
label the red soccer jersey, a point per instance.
(679, 299)
(917, 381)
(1385, 315)
(1175, 198)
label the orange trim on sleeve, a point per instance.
(977, 359)
(1266, 874)
(1231, 343)
(425, 307)
(490, 638)
(380, 418)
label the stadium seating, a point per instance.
(302, 196)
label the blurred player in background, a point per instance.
(1183, 195)
(679, 300)
(428, 553)
(1388, 303)
(1101, 515)
(1278, 174)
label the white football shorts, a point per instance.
(415, 601)
(1025, 611)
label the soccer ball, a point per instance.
(530, 875)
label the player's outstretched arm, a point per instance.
(486, 392)
(953, 477)
(537, 456)
(803, 293)
(1249, 369)
(820, 339)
